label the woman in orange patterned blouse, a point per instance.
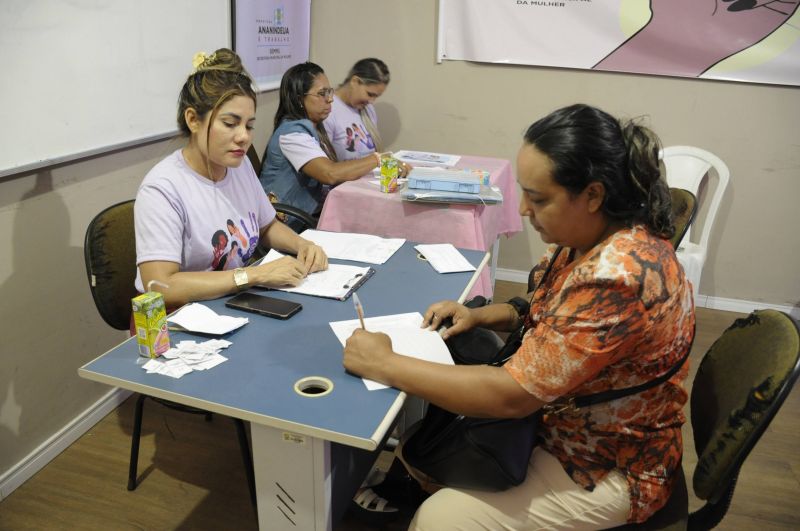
(615, 311)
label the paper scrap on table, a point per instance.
(188, 356)
(197, 317)
(354, 246)
(407, 338)
(444, 258)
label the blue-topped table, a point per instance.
(291, 433)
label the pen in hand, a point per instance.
(359, 310)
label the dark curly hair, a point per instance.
(586, 145)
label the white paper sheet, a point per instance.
(407, 338)
(424, 158)
(196, 317)
(444, 258)
(353, 246)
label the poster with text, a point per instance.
(739, 40)
(270, 36)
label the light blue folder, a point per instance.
(486, 196)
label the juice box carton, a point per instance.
(150, 318)
(390, 169)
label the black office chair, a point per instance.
(741, 383)
(297, 219)
(684, 209)
(252, 154)
(110, 255)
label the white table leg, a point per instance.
(495, 252)
(293, 480)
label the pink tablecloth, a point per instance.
(359, 206)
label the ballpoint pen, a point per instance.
(359, 310)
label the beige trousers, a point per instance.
(548, 499)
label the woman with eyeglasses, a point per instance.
(300, 164)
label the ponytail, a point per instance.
(644, 172)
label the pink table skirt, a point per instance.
(359, 206)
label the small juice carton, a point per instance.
(390, 169)
(150, 318)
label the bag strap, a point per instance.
(523, 309)
(577, 402)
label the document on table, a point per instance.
(353, 246)
(407, 338)
(424, 158)
(444, 258)
(196, 317)
(339, 281)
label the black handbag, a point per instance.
(491, 454)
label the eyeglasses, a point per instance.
(325, 93)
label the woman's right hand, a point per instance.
(286, 271)
(461, 316)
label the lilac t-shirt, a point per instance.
(185, 218)
(349, 137)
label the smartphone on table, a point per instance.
(261, 304)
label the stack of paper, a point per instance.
(188, 356)
(407, 338)
(488, 195)
(196, 317)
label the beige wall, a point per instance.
(50, 326)
(483, 109)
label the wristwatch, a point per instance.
(240, 277)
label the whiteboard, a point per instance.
(83, 77)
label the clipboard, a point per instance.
(338, 282)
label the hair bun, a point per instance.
(224, 60)
(200, 58)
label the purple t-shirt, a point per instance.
(349, 137)
(185, 218)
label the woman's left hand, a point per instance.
(312, 256)
(365, 353)
(403, 169)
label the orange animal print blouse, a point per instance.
(619, 316)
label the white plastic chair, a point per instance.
(686, 168)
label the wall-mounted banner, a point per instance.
(756, 41)
(270, 36)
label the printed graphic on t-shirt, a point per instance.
(361, 136)
(233, 246)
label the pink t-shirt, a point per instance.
(185, 218)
